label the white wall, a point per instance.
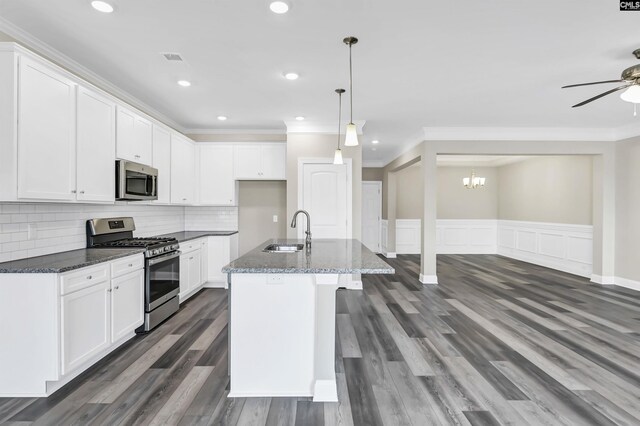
(58, 227)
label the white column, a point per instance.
(429, 174)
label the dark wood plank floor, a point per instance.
(497, 342)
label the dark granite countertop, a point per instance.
(327, 256)
(63, 262)
(192, 235)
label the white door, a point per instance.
(371, 214)
(127, 304)
(162, 162)
(195, 269)
(96, 147)
(46, 133)
(215, 179)
(325, 198)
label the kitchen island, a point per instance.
(283, 316)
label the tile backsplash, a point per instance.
(35, 229)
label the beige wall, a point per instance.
(258, 202)
(5, 37)
(628, 209)
(555, 189)
(454, 200)
(231, 137)
(457, 202)
(301, 145)
(372, 173)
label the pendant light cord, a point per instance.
(339, 115)
(350, 85)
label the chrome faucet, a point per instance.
(294, 222)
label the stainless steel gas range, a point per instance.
(162, 264)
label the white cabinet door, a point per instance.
(195, 269)
(125, 136)
(85, 325)
(96, 147)
(248, 164)
(46, 133)
(133, 137)
(143, 140)
(204, 256)
(260, 161)
(162, 162)
(127, 304)
(183, 178)
(184, 276)
(218, 256)
(215, 175)
(274, 162)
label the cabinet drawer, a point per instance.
(126, 265)
(83, 278)
(191, 245)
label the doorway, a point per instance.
(371, 214)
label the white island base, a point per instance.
(282, 335)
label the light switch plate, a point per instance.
(275, 218)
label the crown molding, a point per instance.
(235, 131)
(626, 132)
(326, 127)
(519, 134)
(36, 46)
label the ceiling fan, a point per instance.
(631, 78)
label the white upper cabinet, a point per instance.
(260, 161)
(183, 176)
(162, 162)
(96, 147)
(46, 133)
(134, 137)
(216, 184)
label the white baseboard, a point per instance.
(389, 255)
(428, 279)
(325, 391)
(215, 284)
(627, 283)
(599, 279)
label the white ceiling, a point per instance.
(419, 63)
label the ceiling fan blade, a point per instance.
(601, 95)
(590, 84)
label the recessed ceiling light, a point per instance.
(102, 6)
(184, 83)
(291, 76)
(375, 142)
(222, 117)
(279, 7)
(299, 118)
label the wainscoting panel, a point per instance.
(408, 236)
(559, 246)
(466, 236)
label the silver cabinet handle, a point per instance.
(82, 192)
(73, 191)
(117, 287)
(89, 277)
(109, 290)
(131, 265)
(191, 258)
(137, 156)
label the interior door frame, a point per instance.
(347, 162)
(378, 184)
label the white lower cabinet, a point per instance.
(127, 300)
(220, 251)
(85, 324)
(191, 279)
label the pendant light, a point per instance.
(337, 158)
(351, 137)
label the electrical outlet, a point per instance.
(275, 218)
(275, 279)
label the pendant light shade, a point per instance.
(337, 157)
(351, 138)
(632, 94)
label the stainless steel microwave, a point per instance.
(136, 182)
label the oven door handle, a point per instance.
(164, 258)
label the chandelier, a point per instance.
(473, 181)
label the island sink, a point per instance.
(283, 248)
